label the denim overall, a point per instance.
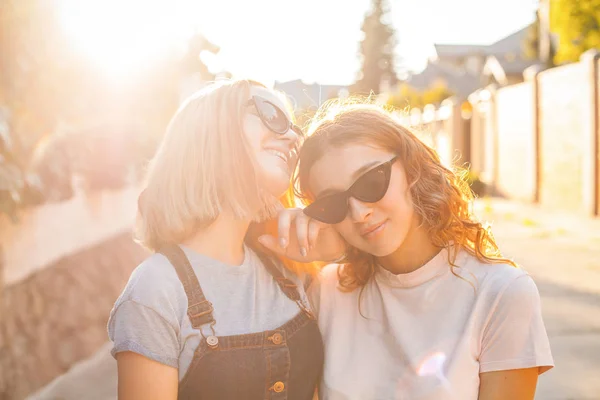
(283, 363)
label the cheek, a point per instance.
(399, 208)
(398, 199)
(346, 230)
(400, 203)
(253, 133)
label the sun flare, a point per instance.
(121, 36)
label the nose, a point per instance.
(358, 211)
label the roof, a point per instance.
(458, 50)
(517, 66)
(500, 67)
(509, 44)
(512, 43)
(503, 57)
(459, 82)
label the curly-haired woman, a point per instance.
(424, 305)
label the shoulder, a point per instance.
(321, 291)
(326, 281)
(500, 286)
(155, 284)
(329, 275)
(147, 318)
(491, 277)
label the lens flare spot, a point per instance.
(432, 365)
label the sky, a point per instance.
(280, 40)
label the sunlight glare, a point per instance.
(122, 36)
(432, 365)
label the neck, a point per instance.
(416, 250)
(222, 240)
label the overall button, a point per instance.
(277, 338)
(212, 341)
(278, 387)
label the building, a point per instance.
(465, 68)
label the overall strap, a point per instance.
(289, 288)
(199, 309)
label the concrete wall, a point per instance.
(516, 152)
(563, 115)
(45, 234)
(64, 267)
(538, 140)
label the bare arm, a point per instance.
(143, 378)
(515, 384)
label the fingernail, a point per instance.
(261, 240)
(283, 242)
(303, 251)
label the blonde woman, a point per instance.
(208, 316)
(425, 306)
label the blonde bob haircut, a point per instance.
(441, 196)
(204, 167)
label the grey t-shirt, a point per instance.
(150, 317)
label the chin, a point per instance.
(383, 249)
(382, 252)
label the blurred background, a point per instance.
(509, 89)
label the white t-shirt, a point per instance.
(428, 334)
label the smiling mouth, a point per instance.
(370, 231)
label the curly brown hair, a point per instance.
(442, 198)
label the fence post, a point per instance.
(492, 166)
(531, 74)
(465, 120)
(476, 133)
(484, 153)
(591, 157)
(454, 126)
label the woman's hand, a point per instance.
(304, 239)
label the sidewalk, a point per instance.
(561, 252)
(91, 379)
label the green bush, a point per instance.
(407, 96)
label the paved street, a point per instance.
(560, 251)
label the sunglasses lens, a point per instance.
(372, 186)
(273, 117)
(330, 210)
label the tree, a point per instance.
(577, 25)
(31, 84)
(531, 45)
(36, 70)
(376, 51)
(192, 63)
(436, 93)
(408, 97)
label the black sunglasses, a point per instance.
(273, 117)
(370, 188)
